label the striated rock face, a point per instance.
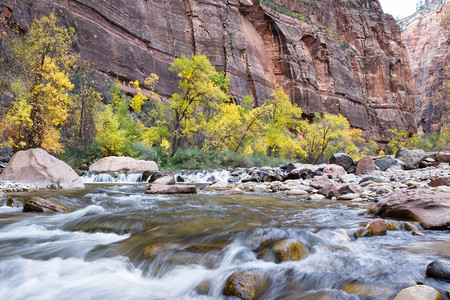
(428, 45)
(357, 67)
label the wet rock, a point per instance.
(439, 269)
(385, 163)
(122, 163)
(368, 290)
(154, 176)
(219, 186)
(181, 179)
(289, 167)
(365, 165)
(289, 249)
(246, 285)
(234, 192)
(410, 226)
(440, 181)
(422, 292)
(391, 226)
(411, 158)
(334, 171)
(442, 158)
(171, 189)
(165, 180)
(250, 179)
(37, 204)
(377, 227)
(430, 208)
(37, 167)
(153, 250)
(203, 287)
(341, 159)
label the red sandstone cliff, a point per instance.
(428, 44)
(348, 59)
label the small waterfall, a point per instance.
(122, 177)
(203, 176)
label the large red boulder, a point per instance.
(430, 208)
(38, 168)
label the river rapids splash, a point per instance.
(119, 243)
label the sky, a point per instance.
(401, 8)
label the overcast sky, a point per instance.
(402, 8)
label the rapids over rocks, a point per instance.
(119, 243)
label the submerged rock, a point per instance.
(430, 208)
(289, 249)
(246, 285)
(37, 204)
(422, 292)
(439, 269)
(42, 170)
(171, 189)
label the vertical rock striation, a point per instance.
(338, 56)
(428, 45)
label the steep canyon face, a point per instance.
(428, 44)
(343, 56)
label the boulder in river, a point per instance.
(430, 208)
(171, 189)
(122, 163)
(439, 269)
(375, 227)
(246, 285)
(365, 165)
(385, 163)
(37, 204)
(411, 158)
(422, 292)
(341, 159)
(334, 171)
(165, 180)
(289, 249)
(38, 168)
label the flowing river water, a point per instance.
(119, 243)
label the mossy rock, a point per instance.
(246, 285)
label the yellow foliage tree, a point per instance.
(326, 135)
(42, 101)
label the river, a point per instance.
(119, 243)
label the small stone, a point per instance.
(377, 227)
(410, 227)
(165, 180)
(419, 233)
(171, 189)
(390, 226)
(289, 249)
(296, 192)
(422, 292)
(316, 197)
(37, 204)
(350, 196)
(347, 178)
(245, 285)
(439, 269)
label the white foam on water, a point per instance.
(108, 178)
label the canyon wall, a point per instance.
(428, 44)
(338, 56)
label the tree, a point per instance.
(326, 135)
(202, 92)
(42, 91)
(284, 123)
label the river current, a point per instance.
(119, 243)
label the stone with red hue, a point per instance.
(365, 165)
(430, 208)
(171, 189)
(334, 171)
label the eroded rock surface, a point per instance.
(345, 56)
